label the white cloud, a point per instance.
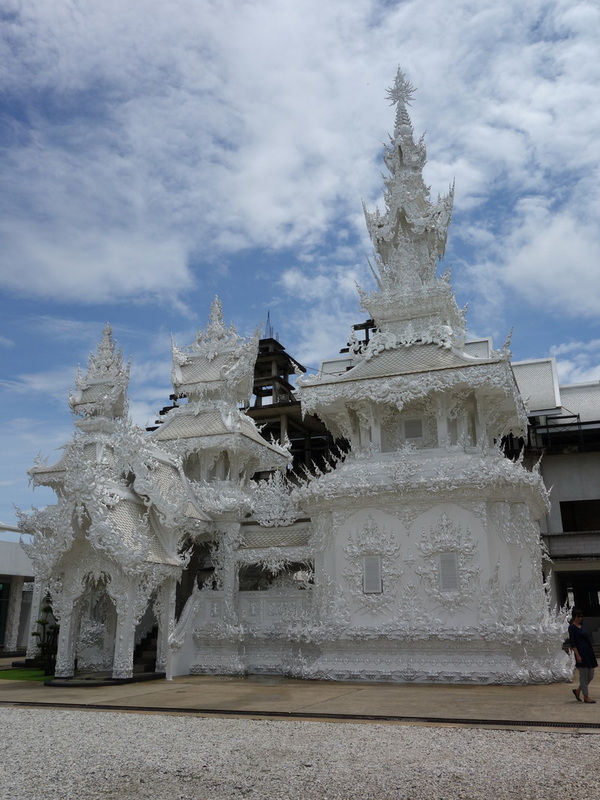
(144, 414)
(144, 145)
(577, 362)
(53, 383)
(22, 440)
(63, 329)
(95, 266)
(150, 142)
(152, 138)
(149, 388)
(321, 284)
(201, 131)
(548, 258)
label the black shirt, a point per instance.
(579, 639)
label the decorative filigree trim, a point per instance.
(222, 497)
(368, 540)
(447, 537)
(272, 503)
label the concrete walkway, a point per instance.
(507, 706)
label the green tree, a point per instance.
(47, 638)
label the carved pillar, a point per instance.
(234, 662)
(480, 423)
(39, 592)
(166, 621)
(230, 581)
(463, 430)
(364, 432)
(14, 613)
(131, 602)
(108, 645)
(230, 543)
(125, 636)
(353, 430)
(235, 470)
(442, 421)
(65, 654)
(376, 429)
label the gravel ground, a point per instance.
(47, 754)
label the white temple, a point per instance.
(416, 556)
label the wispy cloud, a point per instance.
(22, 440)
(152, 145)
(156, 154)
(52, 383)
(62, 329)
(577, 362)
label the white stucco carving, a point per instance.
(373, 540)
(448, 539)
(272, 502)
(415, 556)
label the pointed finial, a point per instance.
(102, 391)
(107, 360)
(215, 323)
(402, 91)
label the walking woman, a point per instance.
(585, 660)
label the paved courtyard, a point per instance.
(282, 697)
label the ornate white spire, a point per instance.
(401, 95)
(107, 363)
(411, 236)
(218, 363)
(102, 391)
(409, 239)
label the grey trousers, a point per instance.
(586, 676)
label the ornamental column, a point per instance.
(166, 620)
(65, 654)
(13, 619)
(39, 593)
(125, 636)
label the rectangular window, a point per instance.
(413, 429)
(449, 572)
(372, 583)
(580, 515)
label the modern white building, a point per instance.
(564, 431)
(16, 591)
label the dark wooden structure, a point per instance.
(277, 412)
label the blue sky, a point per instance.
(158, 152)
